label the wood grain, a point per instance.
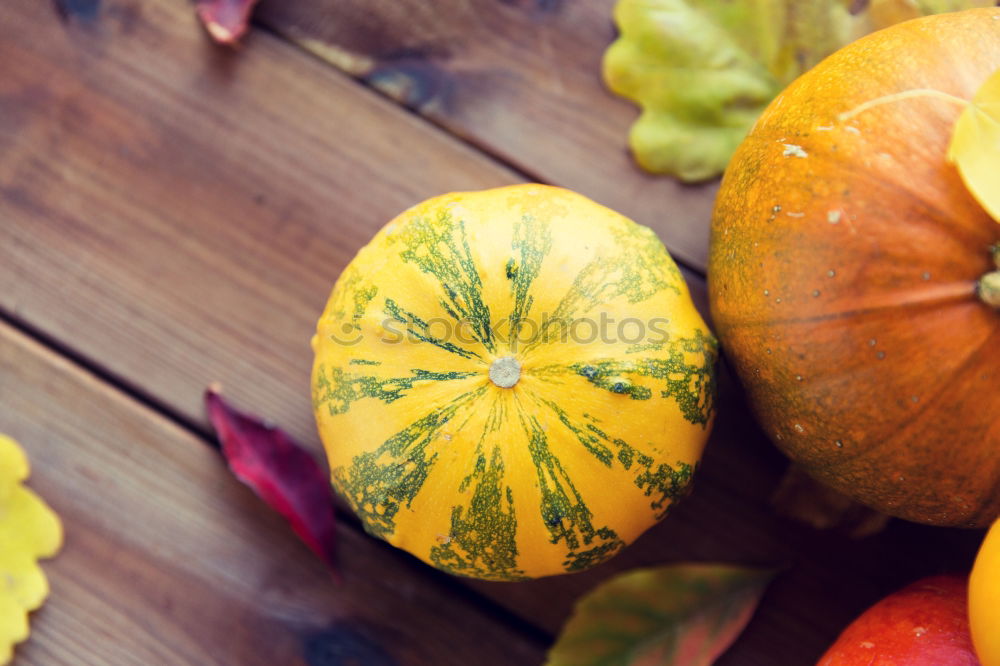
(169, 560)
(520, 79)
(175, 214)
(179, 212)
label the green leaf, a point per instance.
(975, 145)
(683, 614)
(703, 70)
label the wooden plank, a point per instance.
(520, 78)
(169, 560)
(177, 214)
(180, 212)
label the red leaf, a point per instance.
(280, 471)
(225, 20)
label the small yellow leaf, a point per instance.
(28, 530)
(975, 145)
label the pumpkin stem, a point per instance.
(989, 289)
(906, 94)
(505, 371)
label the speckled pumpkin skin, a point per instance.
(842, 273)
(483, 467)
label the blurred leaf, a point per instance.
(280, 471)
(703, 71)
(683, 615)
(29, 529)
(975, 145)
(225, 20)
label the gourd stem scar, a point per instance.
(505, 371)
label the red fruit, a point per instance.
(925, 624)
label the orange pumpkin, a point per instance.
(845, 275)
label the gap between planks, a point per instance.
(479, 146)
(497, 612)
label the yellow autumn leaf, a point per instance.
(29, 529)
(975, 145)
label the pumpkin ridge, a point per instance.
(902, 95)
(339, 389)
(441, 249)
(482, 530)
(814, 450)
(670, 483)
(891, 440)
(608, 373)
(640, 269)
(563, 511)
(957, 293)
(482, 537)
(496, 416)
(832, 164)
(942, 389)
(411, 320)
(354, 289)
(599, 451)
(533, 239)
(378, 483)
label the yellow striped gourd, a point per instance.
(512, 383)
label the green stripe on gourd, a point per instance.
(692, 385)
(337, 389)
(563, 510)
(379, 482)
(663, 482)
(482, 540)
(639, 269)
(440, 248)
(532, 243)
(419, 329)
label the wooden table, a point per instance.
(174, 213)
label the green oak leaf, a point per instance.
(703, 70)
(682, 614)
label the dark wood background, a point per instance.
(174, 213)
